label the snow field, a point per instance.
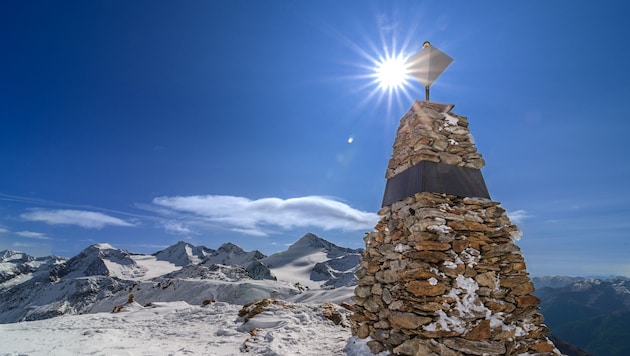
(178, 328)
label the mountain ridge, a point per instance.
(100, 276)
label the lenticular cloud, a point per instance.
(239, 213)
(86, 219)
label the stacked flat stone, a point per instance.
(427, 134)
(441, 274)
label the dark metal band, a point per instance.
(435, 178)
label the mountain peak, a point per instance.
(230, 247)
(182, 253)
(14, 256)
(311, 241)
(232, 254)
(315, 262)
(102, 246)
(100, 259)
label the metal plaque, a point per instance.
(435, 178)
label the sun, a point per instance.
(392, 72)
(382, 69)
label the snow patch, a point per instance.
(103, 246)
(516, 235)
(359, 347)
(446, 323)
(470, 256)
(450, 265)
(437, 272)
(400, 248)
(154, 267)
(450, 120)
(468, 307)
(439, 228)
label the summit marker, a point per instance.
(441, 274)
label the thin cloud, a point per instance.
(517, 216)
(33, 235)
(86, 219)
(251, 232)
(175, 227)
(3, 230)
(254, 216)
(40, 203)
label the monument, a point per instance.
(440, 273)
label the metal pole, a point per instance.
(426, 92)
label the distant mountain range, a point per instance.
(102, 276)
(592, 313)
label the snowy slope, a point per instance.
(178, 328)
(195, 291)
(153, 266)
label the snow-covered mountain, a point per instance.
(59, 286)
(102, 276)
(591, 313)
(183, 254)
(314, 262)
(230, 254)
(99, 260)
(554, 281)
(17, 267)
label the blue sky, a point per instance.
(142, 123)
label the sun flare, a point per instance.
(384, 69)
(392, 72)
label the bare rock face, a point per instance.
(441, 274)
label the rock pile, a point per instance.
(426, 133)
(441, 274)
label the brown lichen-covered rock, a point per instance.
(331, 313)
(402, 320)
(440, 274)
(471, 347)
(425, 288)
(252, 309)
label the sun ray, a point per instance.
(380, 73)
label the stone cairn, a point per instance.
(440, 274)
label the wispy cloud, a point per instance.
(517, 216)
(86, 219)
(176, 227)
(254, 216)
(33, 235)
(251, 232)
(3, 230)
